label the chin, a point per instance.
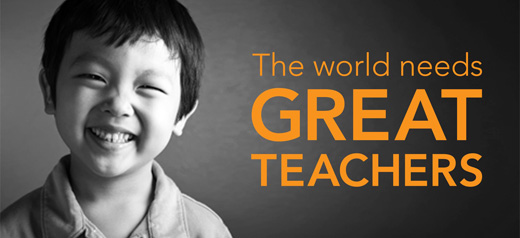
(109, 168)
(109, 172)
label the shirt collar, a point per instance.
(62, 215)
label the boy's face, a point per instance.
(115, 108)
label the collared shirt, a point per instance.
(52, 211)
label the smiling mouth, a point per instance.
(112, 137)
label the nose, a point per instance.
(118, 105)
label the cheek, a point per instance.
(157, 120)
(69, 96)
(72, 109)
(69, 120)
(162, 118)
(156, 133)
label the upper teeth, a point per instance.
(118, 137)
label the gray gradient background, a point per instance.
(211, 161)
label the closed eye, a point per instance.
(149, 87)
(91, 76)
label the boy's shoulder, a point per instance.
(201, 220)
(170, 209)
(197, 219)
(22, 219)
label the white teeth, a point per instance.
(118, 137)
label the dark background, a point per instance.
(212, 160)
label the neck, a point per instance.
(117, 204)
(133, 189)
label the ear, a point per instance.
(179, 125)
(47, 95)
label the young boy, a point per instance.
(119, 76)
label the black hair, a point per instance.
(127, 21)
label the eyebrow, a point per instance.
(150, 73)
(87, 56)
